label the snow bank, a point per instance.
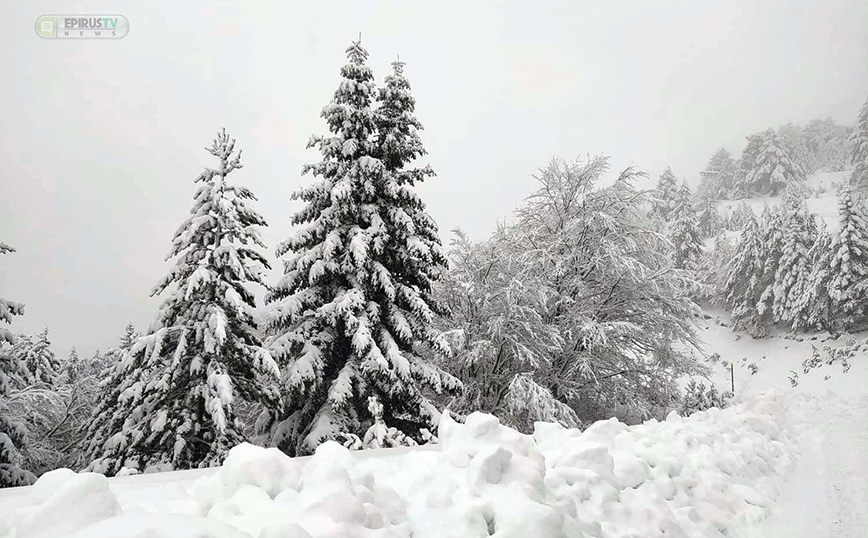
(691, 477)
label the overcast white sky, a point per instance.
(101, 139)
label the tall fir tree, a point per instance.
(355, 302)
(718, 178)
(768, 166)
(665, 195)
(74, 368)
(178, 384)
(849, 266)
(774, 238)
(746, 282)
(708, 217)
(814, 307)
(12, 433)
(794, 268)
(859, 151)
(685, 236)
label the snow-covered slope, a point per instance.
(826, 494)
(825, 205)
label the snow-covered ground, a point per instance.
(826, 494)
(781, 461)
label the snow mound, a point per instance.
(686, 477)
(63, 502)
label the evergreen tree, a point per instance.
(849, 266)
(11, 432)
(719, 176)
(859, 155)
(74, 368)
(813, 308)
(713, 270)
(791, 278)
(8, 308)
(178, 384)
(768, 165)
(665, 195)
(774, 237)
(746, 282)
(37, 358)
(355, 302)
(739, 216)
(685, 235)
(708, 218)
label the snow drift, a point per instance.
(684, 477)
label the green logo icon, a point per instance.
(46, 26)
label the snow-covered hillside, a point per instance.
(781, 461)
(825, 204)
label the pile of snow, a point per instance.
(693, 477)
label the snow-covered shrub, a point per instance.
(698, 397)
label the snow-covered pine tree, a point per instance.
(685, 235)
(859, 153)
(663, 203)
(739, 216)
(38, 359)
(355, 300)
(8, 308)
(708, 218)
(792, 136)
(813, 307)
(794, 268)
(716, 181)
(11, 432)
(746, 282)
(74, 368)
(774, 235)
(849, 266)
(713, 268)
(769, 166)
(178, 384)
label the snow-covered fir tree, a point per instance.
(12, 432)
(37, 357)
(708, 217)
(739, 216)
(849, 265)
(685, 234)
(794, 267)
(74, 368)
(859, 151)
(827, 144)
(813, 307)
(178, 384)
(713, 270)
(716, 181)
(774, 239)
(665, 194)
(746, 280)
(354, 308)
(8, 309)
(769, 167)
